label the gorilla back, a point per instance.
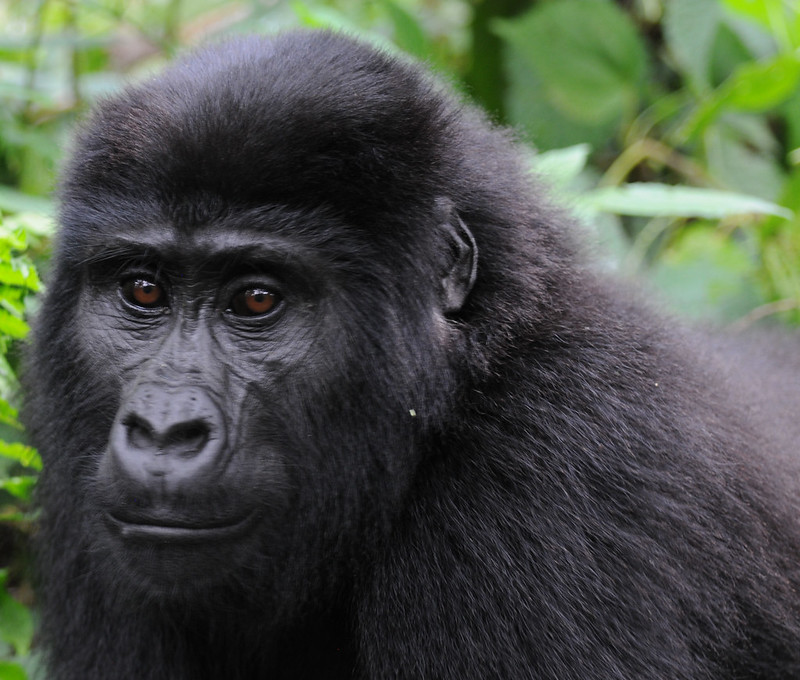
(323, 389)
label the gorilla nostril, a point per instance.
(186, 439)
(140, 433)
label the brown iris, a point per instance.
(143, 293)
(254, 302)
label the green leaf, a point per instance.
(12, 671)
(529, 108)
(26, 455)
(755, 87)
(758, 10)
(408, 33)
(9, 385)
(11, 239)
(707, 274)
(662, 200)
(764, 85)
(12, 325)
(16, 202)
(19, 274)
(38, 224)
(313, 15)
(20, 486)
(8, 414)
(560, 166)
(737, 163)
(16, 623)
(689, 29)
(587, 54)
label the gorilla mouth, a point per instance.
(154, 530)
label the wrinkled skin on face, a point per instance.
(238, 351)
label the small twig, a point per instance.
(644, 149)
(763, 312)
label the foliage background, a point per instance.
(671, 128)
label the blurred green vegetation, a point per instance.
(671, 128)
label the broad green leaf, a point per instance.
(12, 671)
(587, 54)
(26, 455)
(408, 33)
(761, 86)
(8, 414)
(314, 15)
(739, 165)
(690, 27)
(19, 486)
(21, 274)
(12, 325)
(560, 166)
(707, 274)
(15, 201)
(752, 87)
(38, 224)
(758, 10)
(661, 200)
(16, 623)
(11, 239)
(12, 299)
(321, 17)
(9, 385)
(530, 109)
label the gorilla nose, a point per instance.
(174, 434)
(185, 439)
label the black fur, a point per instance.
(537, 479)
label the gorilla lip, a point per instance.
(177, 533)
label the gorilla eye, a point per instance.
(143, 293)
(254, 302)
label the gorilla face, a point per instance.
(244, 351)
(202, 331)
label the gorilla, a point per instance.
(325, 389)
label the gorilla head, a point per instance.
(322, 390)
(253, 315)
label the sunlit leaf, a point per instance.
(12, 671)
(689, 28)
(20, 275)
(26, 455)
(16, 201)
(20, 486)
(8, 414)
(408, 33)
(707, 274)
(752, 87)
(759, 10)
(560, 166)
(587, 54)
(16, 623)
(12, 325)
(662, 200)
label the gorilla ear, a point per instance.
(460, 263)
